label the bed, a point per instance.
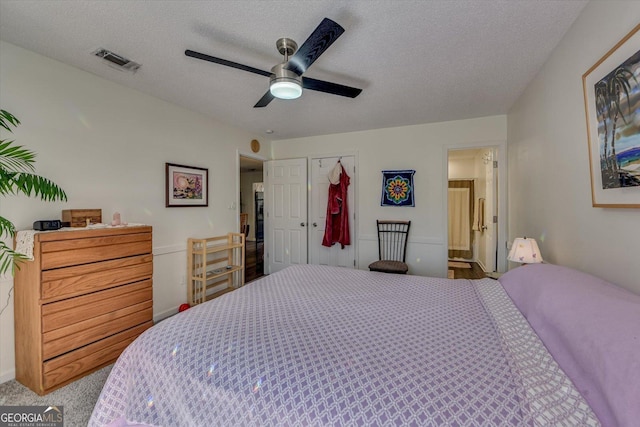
(319, 346)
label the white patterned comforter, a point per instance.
(325, 346)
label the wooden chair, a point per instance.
(392, 247)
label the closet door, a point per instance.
(335, 255)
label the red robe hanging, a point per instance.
(337, 226)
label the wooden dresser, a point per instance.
(86, 296)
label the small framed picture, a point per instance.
(397, 188)
(186, 186)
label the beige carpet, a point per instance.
(450, 274)
(77, 398)
(456, 264)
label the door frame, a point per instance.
(236, 204)
(501, 154)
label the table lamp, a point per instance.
(525, 250)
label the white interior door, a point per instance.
(285, 202)
(335, 255)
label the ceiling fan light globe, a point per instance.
(285, 89)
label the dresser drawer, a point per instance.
(81, 279)
(66, 339)
(75, 363)
(62, 314)
(65, 253)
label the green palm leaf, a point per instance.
(16, 165)
(7, 228)
(16, 157)
(5, 117)
(9, 258)
(30, 185)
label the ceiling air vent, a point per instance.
(117, 61)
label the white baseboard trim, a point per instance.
(8, 376)
(169, 249)
(165, 314)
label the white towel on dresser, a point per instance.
(24, 238)
(24, 242)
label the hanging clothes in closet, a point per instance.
(337, 225)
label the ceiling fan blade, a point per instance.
(328, 87)
(221, 61)
(265, 100)
(322, 37)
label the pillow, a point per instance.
(591, 328)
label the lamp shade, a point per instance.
(525, 250)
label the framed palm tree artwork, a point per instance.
(612, 106)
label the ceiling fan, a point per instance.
(286, 80)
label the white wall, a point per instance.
(549, 184)
(420, 147)
(107, 145)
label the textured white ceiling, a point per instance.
(416, 61)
